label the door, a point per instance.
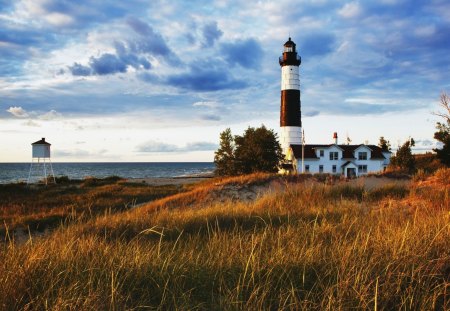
(351, 172)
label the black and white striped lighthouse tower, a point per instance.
(290, 115)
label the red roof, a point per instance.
(348, 151)
(41, 142)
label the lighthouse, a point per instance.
(290, 115)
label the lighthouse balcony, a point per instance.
(287, 60)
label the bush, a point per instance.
(443, 175)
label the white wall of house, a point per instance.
(331, 164)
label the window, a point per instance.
(334, 168)
(362, 155)
(320, 168)
(334, 155)
(307, 168)
(362, 168)
(321, 152)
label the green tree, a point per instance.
(258, 150)
(443, 131)
(404, 158)
(224, 156)
(384, 144)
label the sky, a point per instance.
(143, 81)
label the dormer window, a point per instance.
(362, 155)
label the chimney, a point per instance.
(43, 138)
(335, 137)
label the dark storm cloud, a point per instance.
(80, 70)
(110, 64)
(149, 41)
(107, 64)
(247, 53)
(132, 52)
(211, 33)
(200, 78)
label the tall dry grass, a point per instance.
(310, 247)
(38, 208)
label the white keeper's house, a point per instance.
(347, 160)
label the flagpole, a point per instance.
(303, 151)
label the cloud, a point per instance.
(210, 117)
(200, 146)
(155, 146)
(78, 153)
(107, 64)
(350, 10)
(425, 142)
(362, 108)
(318, 44)
(51, 115)
(72, 14)
(110, 64)
(18, 112)
(208, 104)
(133, 52)
(211, 33)
(59, 19)
(149, 40)
(311, 113)
(159, 147)
(80, 70)
(205, 79)
(247, 53)
(31, 123)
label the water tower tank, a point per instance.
(41, 149)
(41, 153)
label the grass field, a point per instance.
(39, 208)
(301, 244)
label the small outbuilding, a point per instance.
(41, 149)
(39, 161)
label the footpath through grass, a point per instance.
(311, 246)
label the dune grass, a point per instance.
(40, 207)
(311, 246)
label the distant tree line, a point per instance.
(257, 150)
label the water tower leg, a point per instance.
(45, 173)
(51, 168)
(29, 173)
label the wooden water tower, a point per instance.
(38, 167)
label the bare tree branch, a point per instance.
(445, 103)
